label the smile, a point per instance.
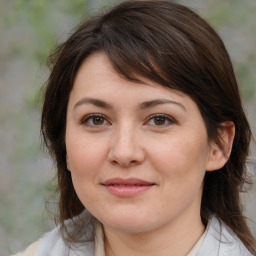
(127, 187)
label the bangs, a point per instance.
(138, 47)
(131, 56)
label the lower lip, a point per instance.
(127, 191)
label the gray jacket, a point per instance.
(219, 241)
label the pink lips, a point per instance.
(127, 187)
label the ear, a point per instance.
(219, 154)
(68, 162)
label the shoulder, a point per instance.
(220, 240)
(30, 251)
(52, 244)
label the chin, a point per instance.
(130, 224)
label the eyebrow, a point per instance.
(96, 102)
(142, 106)
(152, 103)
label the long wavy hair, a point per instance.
(174, 47)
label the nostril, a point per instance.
(114, 162)
(124, 163)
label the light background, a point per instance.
(29, 29)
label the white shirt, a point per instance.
(217, 240)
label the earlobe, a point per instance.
(219, 154)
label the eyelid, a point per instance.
(170, 119)
(89, 116)
(86, 118)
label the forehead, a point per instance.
(98, 84)
(96, 75)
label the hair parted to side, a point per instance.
(173, 46)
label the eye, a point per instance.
(94, 120)
(160, 120)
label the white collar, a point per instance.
(99, 249)
(217, 240)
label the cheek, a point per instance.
(182, 160)
(85, 156)
(86, 161)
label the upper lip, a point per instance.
(128, 182)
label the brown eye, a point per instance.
(159, 120)
(94, 120)
(98, 120)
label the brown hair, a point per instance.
(173, 46)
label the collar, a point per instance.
(99, 249)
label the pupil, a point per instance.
(159, 120)
(97, 120)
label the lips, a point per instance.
(127, 187)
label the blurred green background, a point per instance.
(29, 30)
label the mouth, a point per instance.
(127, 187)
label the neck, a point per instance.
(177, 238)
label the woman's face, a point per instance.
(137, 152)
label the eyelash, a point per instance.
(90, 117)
(86, 119)
(163, 116)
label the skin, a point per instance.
(119, 135)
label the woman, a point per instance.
(143, 118)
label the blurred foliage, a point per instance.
(31, 29)
(236, 23)
(40, 17)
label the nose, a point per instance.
(125, 147)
